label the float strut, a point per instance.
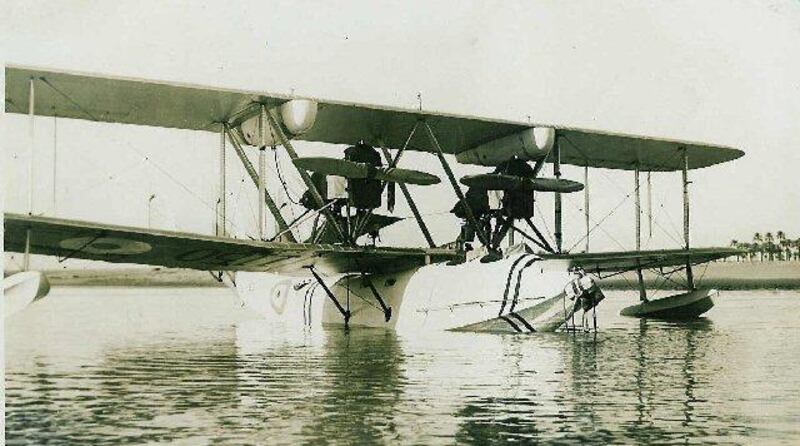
(637, 195)
(345, 313)
(387, 310)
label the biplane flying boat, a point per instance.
(532, 285)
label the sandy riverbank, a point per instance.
(112, 277)
(724, 276)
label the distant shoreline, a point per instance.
(143, 277)
(719, 275)
(722, 276)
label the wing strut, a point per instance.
(31, 110)
(540, 242)
(557, 173)
(689, 274)
(539, 234)
(586, 203)
(467, 209)
(312, 188)
(649, 206)
(221, 223)
(403, 188)
(251, 171)
(262, 172)
(390, 195)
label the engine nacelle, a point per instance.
(530, 145)
(296, 115)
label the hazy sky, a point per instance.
(725, 72)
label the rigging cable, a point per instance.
(208, 205)
(602, 220)
(280, 178)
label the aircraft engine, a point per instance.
(530, 144)
(296, 115)
(364, 193)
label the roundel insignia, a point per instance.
(106, 245)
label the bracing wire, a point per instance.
(602, 220)
(615, 184)
(598, 226)
(282, 181)
(166, 173)
(544, 222)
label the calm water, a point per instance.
(192, 367)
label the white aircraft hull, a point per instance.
(521, 293)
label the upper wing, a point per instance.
(194, 107)
(119, 244)
(606, 262)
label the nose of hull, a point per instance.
(582, 293)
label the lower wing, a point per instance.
(621, 261)
(119, 244)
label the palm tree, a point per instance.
(751, 250)
(758, 242)
(797, 249)
(769, 241)
(785, 246)
(736, 245)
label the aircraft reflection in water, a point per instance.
(321, 384)
(257, 381)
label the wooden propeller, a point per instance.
(351, 169)
(495, 181)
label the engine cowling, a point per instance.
(530, 145)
